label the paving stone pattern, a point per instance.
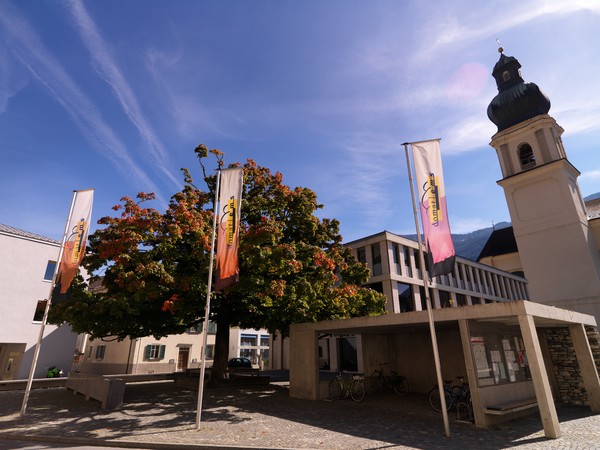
(162, 415)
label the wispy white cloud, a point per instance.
(110, 72)
(32, 53)
(467, 134)
(590, 175)
(10, 83)
(477, 25)
(359, 181)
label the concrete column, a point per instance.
(389, 252)
(464, 277)
(304, 373)
(390, 290)
(485, 282)
(539, 376)
(435, 299)
(471, 374)
(587, 367)
(471, 280)
(416, 289)
(413, 253)
(453, 300)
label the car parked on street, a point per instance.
(239, 362)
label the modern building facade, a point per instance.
(395, 272)
(26, 271)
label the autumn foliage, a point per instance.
(154, 266)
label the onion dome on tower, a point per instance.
(516, 101)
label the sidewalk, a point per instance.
(161, 415)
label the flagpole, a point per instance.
(207, 308)
(436, 355)
(47, 309)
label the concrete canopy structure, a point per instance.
(468, 338)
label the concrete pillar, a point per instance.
(539, 376)
(435, 299)
(471, 374)
(304, 373)
(395, 300)
(587, 367)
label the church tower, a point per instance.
(557, 249)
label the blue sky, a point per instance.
(115, 95)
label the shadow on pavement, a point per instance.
(265, 416)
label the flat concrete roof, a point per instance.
(499, 312)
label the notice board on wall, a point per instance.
(499, 358)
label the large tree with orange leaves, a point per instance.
(154, 266)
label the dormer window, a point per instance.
(506, 75)
(526, 157)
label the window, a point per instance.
(526, 157)
(506, 75)
(376, 257)
(406, 252)
(195, 329)
(100, 351)
(396, 256)
(90, 351)
(210, 349)
(264, 341)
(361, 255)
(212, 328)
(50, 267)
(445, 300)
(40, 308)
(405, 297)
(248, 340)
(154, 352)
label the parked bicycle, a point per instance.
(393, 382)
(353, 387)
(455, 395)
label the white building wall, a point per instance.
(22, 268)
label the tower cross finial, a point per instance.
(500, 49)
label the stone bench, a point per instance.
(108, 391)
(510, 407)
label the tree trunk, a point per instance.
(221, 355)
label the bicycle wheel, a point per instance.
(435, 401)
(335, 389)
(400, 385)
(357, 390)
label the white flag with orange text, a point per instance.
(230, 198)
(75, 240)
(432, 200)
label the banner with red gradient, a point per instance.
(434, 214)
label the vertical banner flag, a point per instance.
(227, 270)
(75, 242)
(434, 214)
